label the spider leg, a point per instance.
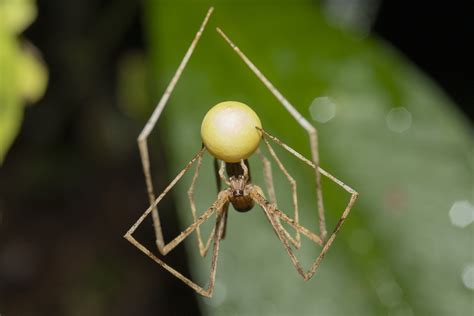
(308, 162)
(297, 155)
(142, 138)
(219, 186)
(203, 248)
(161, 247)
(219, 206)
(267, 176)
(224, 229)
(267, 172)
(297, 240)
(268, 209)
(271, 212)
(310, 129)
(354, 194)
(303, 230)
(220, 224)
(216, 173)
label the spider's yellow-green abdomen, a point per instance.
(229, 131)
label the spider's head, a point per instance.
(237, 185)
(240, 197)
(229, 131)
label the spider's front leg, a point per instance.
(143, 137)
(309, 128)
(218, 173)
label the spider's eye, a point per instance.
(229, 131)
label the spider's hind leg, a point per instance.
(267, 172)
(203, 247)
(218, 207)
(273, 214)
(224, 229)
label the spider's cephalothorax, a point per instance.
(240, 186)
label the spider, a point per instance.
(231, 132)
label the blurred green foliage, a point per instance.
(398, 254)
(23, 76)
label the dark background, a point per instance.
(437, 39)
(62, 190)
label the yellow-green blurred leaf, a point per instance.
(33, 74)
(11, 110)
(23, 75)
(17, 15)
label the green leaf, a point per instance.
(23, 75)
(395, 137)
(17, 15)
(11, 110)
(32, 74)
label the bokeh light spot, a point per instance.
(322, 109)
(468, 277)
(399, 120)
(461, 213)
